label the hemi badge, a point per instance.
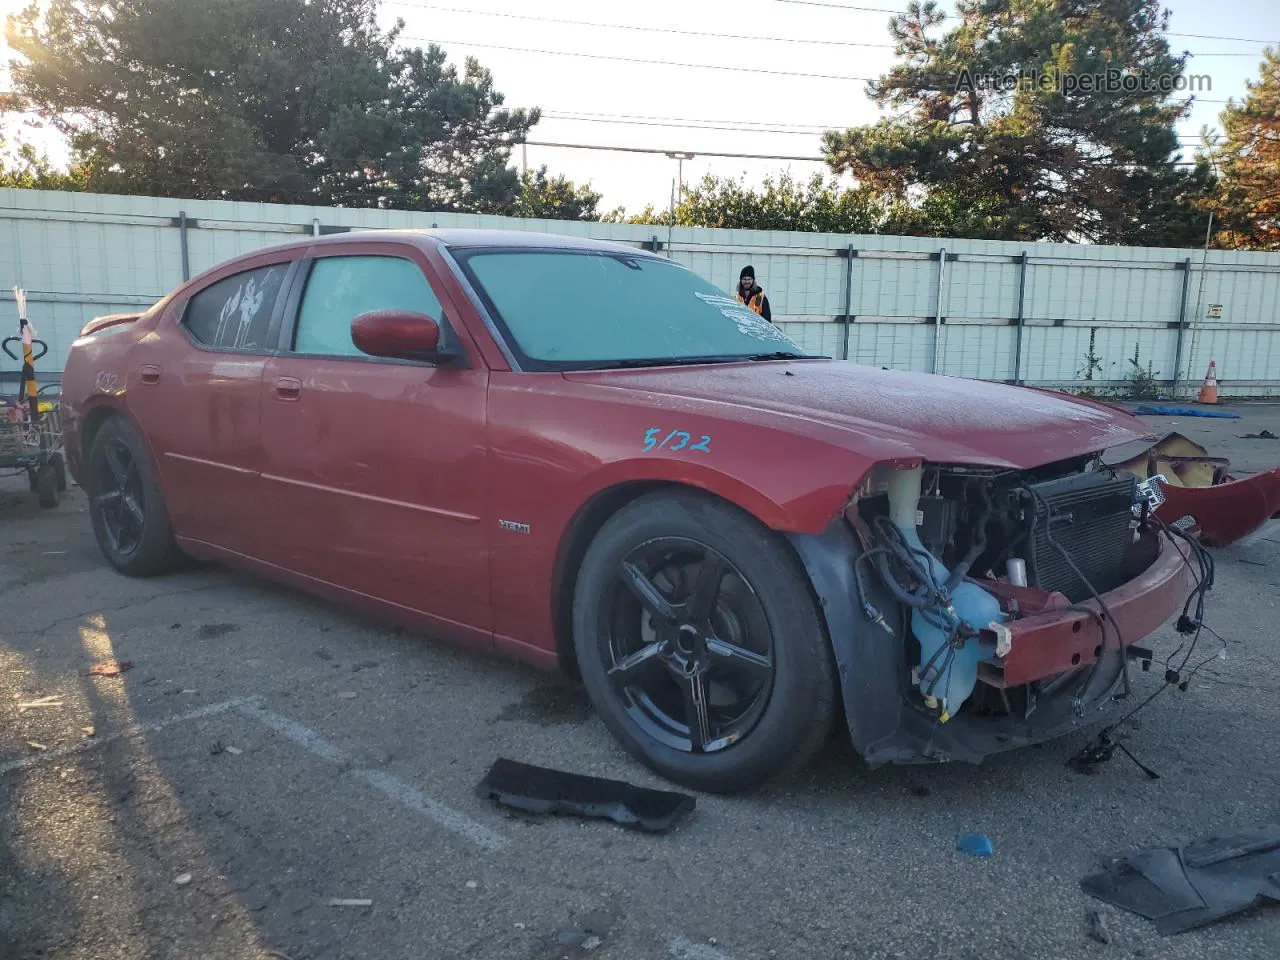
(513, 526)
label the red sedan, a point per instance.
(585, 456)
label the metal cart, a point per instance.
(30, 424)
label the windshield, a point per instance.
(565, 309)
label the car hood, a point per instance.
(942, 419)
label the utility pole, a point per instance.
(681, 158)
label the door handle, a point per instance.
(287, 388)
(149, 373)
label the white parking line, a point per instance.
(127, 733)
(385, 783)
(444, 815)
(682, 948)
(304, 737)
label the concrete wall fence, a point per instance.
(984, 309)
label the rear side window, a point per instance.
(235, 313)
(341, 288)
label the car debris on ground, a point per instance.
(1188, 486)
(976, 845)
(1181, 888)
(1098, 927)
(542, 790)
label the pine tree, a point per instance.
(1061, 154)
(1247, 201)
(272, 100)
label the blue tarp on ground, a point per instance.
(1159, 410)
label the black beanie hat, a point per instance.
(747, 271)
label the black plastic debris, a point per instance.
(1098, 927)
(1181, 888)
(543, 790)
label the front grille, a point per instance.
(1089, 516)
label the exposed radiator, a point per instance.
(1090, 516)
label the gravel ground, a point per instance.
(267, 754)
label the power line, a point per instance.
(704, 153)
(659, 63)
(656, 63)
(815, 132)
(840, 6)
(744, 123)
(859, 9)
(1213, 36)
(718, 36)
(734, 126)
(623, 26)
(651, 63)
(659, 150)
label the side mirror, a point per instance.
(400, 335)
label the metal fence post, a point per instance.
(937, 318)
(848, 298)
(1022, 295)
(1185, 267)
(182, 235)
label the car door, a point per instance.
(375, 475)
(195, 387)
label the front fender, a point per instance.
(870, 662)
(803, 500)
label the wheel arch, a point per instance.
(94, 420)
(587, 522)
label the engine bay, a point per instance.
(967, 550)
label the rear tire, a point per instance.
(125, 505)
(720, 701)
(59, 471)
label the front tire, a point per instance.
(700, 644)
(125, 504)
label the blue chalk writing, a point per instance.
(681, 440)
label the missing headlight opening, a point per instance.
(970, 551)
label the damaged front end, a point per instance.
(973, 610)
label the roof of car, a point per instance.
(450, 238)
(461, 238)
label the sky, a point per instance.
(795, 69)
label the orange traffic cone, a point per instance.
(1209, 392)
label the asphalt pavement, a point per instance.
(267, 755)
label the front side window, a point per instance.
(565, 309)
(341, 288)
(235, 313)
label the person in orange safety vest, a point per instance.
(751, 294)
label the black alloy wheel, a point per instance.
(119, 497)
(128, 512)
(700, 643)
(690, 647)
